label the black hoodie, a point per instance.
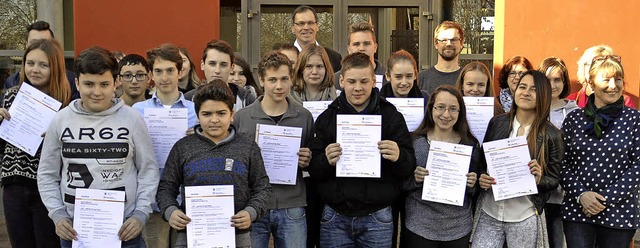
(361, 196)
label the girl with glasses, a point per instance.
(508, 78)
(445, 121)
(517, 221)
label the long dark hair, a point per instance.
(461, 127)
(539, 125)
(246, 70)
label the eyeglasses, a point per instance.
(513, 74)
(455, 40)
(302, 24)
(441, 109)
(129, 77)
(605, 57)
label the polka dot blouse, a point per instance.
(609, 166)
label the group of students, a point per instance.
(584, 152)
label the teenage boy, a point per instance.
(134, 78)
(448, 40)
(286, 217)
(362, 39)
(166, 65)
(217, 63)
(215, 155)
(97, 142)
(357, 211)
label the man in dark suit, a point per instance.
(304, 25)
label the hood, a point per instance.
(76, 106)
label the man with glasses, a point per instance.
(448, 39)
(166, 66)
(37, 31)
(134, 78)
(304, 25)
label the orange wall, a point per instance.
(135, 26)
(538, 29)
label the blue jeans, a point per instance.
(137, 242)
(585, 235)
(373, 230)
(288, 226)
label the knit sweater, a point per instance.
(17, 166)
(196, 160)
(109, 150)
(608, 166)
(454, 222)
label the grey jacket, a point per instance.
(284, 196)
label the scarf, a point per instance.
(506, 99)
(601, 118)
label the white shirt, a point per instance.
(514, 209)
(297, 45)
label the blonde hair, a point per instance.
(585, 61)
(59, 87)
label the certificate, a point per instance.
(210, 209)
(279, 146)
(358, 136)
(448, 165)
(411, 108)
(379, 81)
(316, 107)
(507, 162)
(31, 113)
(479, 113)
(97, 217)
(166, 126)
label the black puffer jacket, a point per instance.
(499, 128)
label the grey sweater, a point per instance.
(284, 196)
(196, 160)
(431, 78)
(453, 222)
(109, 150)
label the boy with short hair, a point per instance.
(215, 155)
(217, 63)
(80, 153)
(166, 67)
(286, 217)
(133, 76)
(358, 210)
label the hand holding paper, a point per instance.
(389, 150)
(333, 152)
(304, 157)
(64, 230)
(242, 220)
(130, 229)
(179, 220)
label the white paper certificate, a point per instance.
(210, 209)
(97, 217)
(358, 136)
(479, 113)
(279, 146)
(448, 165)
(507, 163)
(166, 126)
(379, 80)
(316, 107)
(31, 113)
(411, 108)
